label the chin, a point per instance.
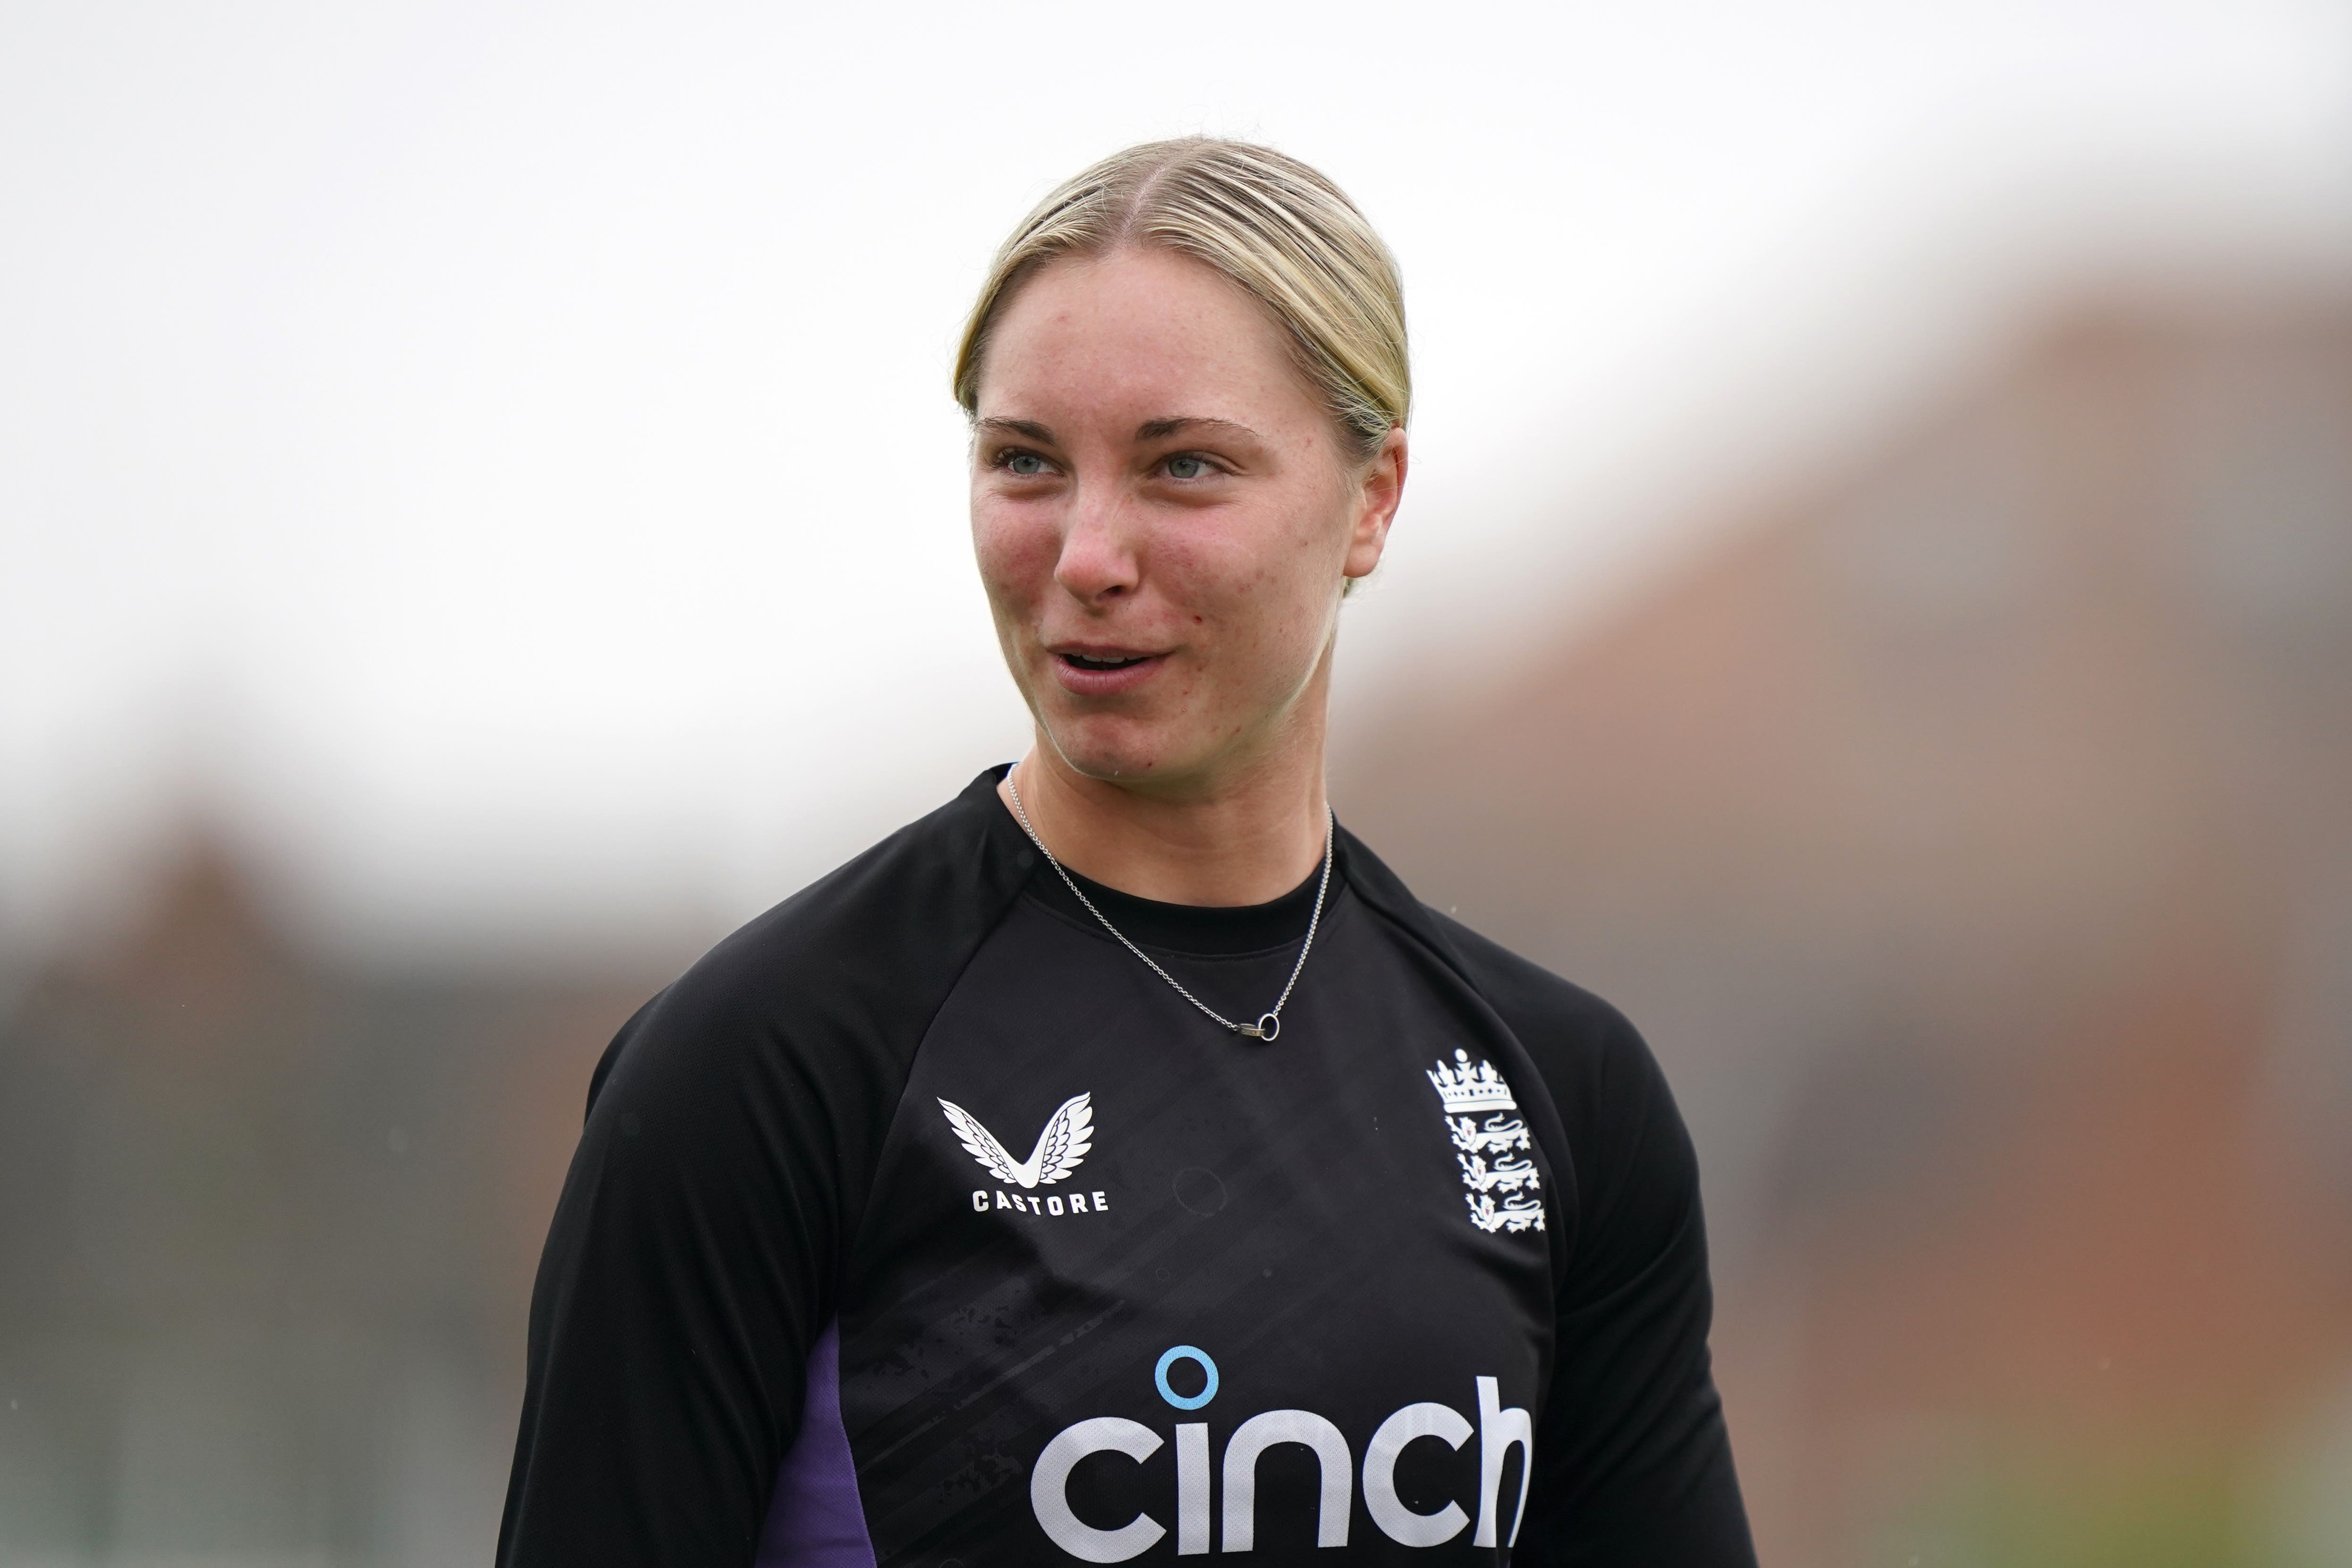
(1119, 750)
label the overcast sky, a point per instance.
(500, 457)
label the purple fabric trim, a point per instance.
(815, 1519)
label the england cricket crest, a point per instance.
(1491, 1145)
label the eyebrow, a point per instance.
(1149, 430)
(1028, 427)
(1155, 430)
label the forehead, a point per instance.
(1139, 335)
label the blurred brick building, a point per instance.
(1971, 833)
(267, 1233)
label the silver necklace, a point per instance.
(1269, 1024)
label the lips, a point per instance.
(1087, 671)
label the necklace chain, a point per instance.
(1269, 1024)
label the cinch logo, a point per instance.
(1498, 1429)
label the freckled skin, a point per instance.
(1220, 548)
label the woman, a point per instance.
(1119, 1162)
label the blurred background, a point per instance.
(481, 515)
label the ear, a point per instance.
(1379, 489)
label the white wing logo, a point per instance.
(1059, 1149)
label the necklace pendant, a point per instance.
(1265, 1028)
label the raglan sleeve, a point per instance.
(1634, 1461)
(686, 1276)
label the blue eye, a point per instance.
(1184, 466)
(1028, 464)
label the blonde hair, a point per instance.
(1280, 229)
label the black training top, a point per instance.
(920, 1224)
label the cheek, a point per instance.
(1266, 606)
(1294, 568)
(1015, 549)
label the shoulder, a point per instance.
(1579, 1042)
(1590, 1055)
(843, 976)
(1560, 1017)
(1624, 1131)
(1630, 1157)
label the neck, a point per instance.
(1244, 838)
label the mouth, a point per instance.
(1103, 672)
(1103, 661)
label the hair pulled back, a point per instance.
(1268, 222)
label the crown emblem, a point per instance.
(1496, 1157)
(1468, 1088)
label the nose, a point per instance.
(1099, 561)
